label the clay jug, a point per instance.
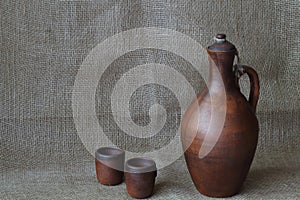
(219, 130)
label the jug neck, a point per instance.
(221, 70)
(221, 56)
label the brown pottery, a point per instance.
(219, 159)
(110, 165)
(140, 174)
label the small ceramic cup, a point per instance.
(110, 165)
(140, 174)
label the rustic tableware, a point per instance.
(110, 165)
(140, 174)
(221, 167)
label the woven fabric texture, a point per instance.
(44, 45)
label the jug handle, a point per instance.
(254, 83)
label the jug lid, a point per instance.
(221, 44)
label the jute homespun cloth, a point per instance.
(72, 68)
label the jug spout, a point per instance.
(222, 50)
(221, 44)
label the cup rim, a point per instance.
(140, 165)
(102, 154)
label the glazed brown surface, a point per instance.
(223, 170)
(140, 174)
(107, 175)
(140, 185)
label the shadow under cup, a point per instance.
(140, 174)
(110, 165)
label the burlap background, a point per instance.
(43, 44)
